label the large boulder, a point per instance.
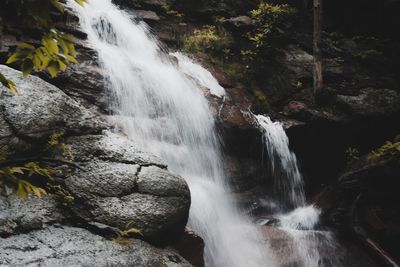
(114, 185)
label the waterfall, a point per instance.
(300, 223)
(288, 182)
(166, 112)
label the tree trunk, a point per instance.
(317, 71)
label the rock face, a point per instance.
(363, 202)
(59, 245)
(205, 9)
(115, 186)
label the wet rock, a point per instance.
(147, 15)
(362, 202)
(158, 5)
(85, 81)
(306, 248)
(70, 246)
(191, 247)
(302, 112)
(41, 109)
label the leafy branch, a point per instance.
(56, 49)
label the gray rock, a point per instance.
(41, 109)
(239, 22)
(110, 147)
(30, 213)
(104, 182)
(160, 182)
(160, 219)
(371, 102)
(150, 4)
(103, 179)
(69, 246)
(9, 139)
(147, 15)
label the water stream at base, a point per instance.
(167, 113)
(299, 223)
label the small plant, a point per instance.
(298, 85)
(261, 98)
(352, 154)
(56, 141)
(123, 235)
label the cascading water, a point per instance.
(288, 182)
(167, 114)
(299, 224)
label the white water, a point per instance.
(169, 116)
(300, 223)
(310, 247)
(202, 76)
(288, 182)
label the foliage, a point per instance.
(269, 19)
(352, 154)
(18, 179)
(208, 39)
(30, 176)
(54, 53)
(56, 49)
(261, 101)
(389, 148)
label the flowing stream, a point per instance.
(166, 112)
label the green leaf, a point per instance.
(26, 46)
(8, 83)
(53, 68)
(21, 191)
(62, 65)
(71, 59)
(50, 44)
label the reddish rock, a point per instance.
(294, 107)
(191, 247)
